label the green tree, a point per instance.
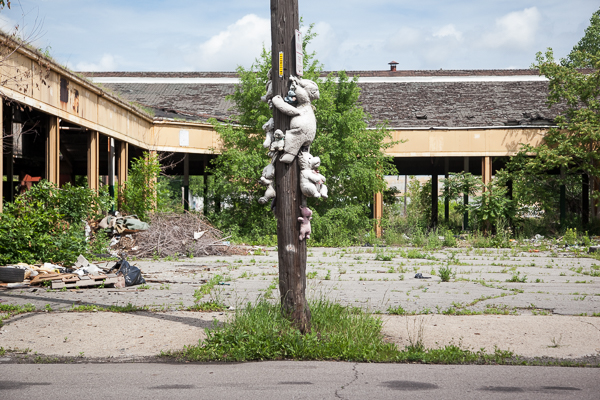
(589, 45)
(352, 156)
(140, 194)
(573, 145)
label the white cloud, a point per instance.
(107, 63)
(239, 44)
(448, 31)
(404, 38)
(516, 29)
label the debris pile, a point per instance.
(83, 274)
(185, 234)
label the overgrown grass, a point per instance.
(260, 332)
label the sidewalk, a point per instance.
(546, 311)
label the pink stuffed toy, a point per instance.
(305, 222)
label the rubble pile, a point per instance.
(178, 235)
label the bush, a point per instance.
(343, 226)
(46, 224)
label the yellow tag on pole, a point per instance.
(281, 64)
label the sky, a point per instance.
(202, 35)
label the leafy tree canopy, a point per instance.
(589, 45)
(573, 145)
(352, 155)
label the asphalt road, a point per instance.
(295, 380)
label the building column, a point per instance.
(1, 153)
(585, 200)
(111, 168)
(52, 173)
(93, 149)
(186, 182)
(205, 185)
(153, 183)
(446, 199)
(595, 204)
(563, 199)
(434, 200)
(122, 169)
(466, 197)
(378, 212)
(486, 170)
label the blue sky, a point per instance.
(199, 35)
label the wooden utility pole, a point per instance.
(291, 250)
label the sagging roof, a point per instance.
(403, 99)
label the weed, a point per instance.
(207, 306)
(446, 273)
(556, 342)
(311, 275)
(517, 278)
(396, 310)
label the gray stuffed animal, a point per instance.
(303, 125)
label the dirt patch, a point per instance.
(564, 337)
(104, 334)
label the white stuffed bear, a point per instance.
(268, 128)
(278, 141)
(303, 125)
(311, 181)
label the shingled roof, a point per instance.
(403, 99)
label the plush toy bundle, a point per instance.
(303, 127)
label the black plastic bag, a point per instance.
(132, 274)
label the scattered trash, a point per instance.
(115, 224)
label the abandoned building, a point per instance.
(58, 124)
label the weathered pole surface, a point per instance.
(291, 250)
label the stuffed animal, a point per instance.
(269, 194)
(269, 87)
(267, 175)
(311, 181)
(303, 125)
(278, 142)
(305, 222)
(268, 128)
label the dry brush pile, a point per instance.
(187, 234)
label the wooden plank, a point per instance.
(84, 283)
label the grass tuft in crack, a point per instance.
(259, 332)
